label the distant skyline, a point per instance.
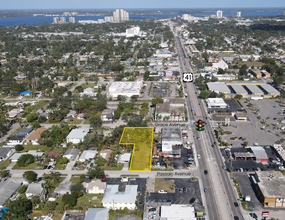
(136, 4)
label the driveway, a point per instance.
(12, 130)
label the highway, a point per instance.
(220, 189)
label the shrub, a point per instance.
(19, 147)
(22, 189)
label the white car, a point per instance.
(198, 155)
(124, 179)
(162, 191)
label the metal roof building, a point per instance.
(254, 89)
(216, 103)
(270, 90)
(259, 153)
(87, 154)
(218, 87)
(7, 189)
(239, 90)
(97, 214)
(174, 212)
(125, 88)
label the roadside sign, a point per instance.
(265, 214)
(188, 77)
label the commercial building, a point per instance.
(238, 14)
(270, 188)
(76, 136)
(174, 212)
(97, 214)
(170, 136)
(254, 90)
(170, 110)
(240, 116)
(95, 187)
(219, 14)
(216, 103)
(257, 73)
(108, 19)
(114, 199)
(259, 153)
(270, 90)
(218, 87)
(239, 90)
(220, 65)
(125, 88)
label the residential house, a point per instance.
(7, 189)
(87, 155)
(14, 112)
(95, 187)
(71, 114)
(34, 189)
(16, 156)
(125, 158)
(80, 116)
(35, 136)
(114, 199)
(26, 93)
(19, 138)
(53, 154)
(88, 92)
(76, 136)
(108, 115)
(52, 197)
(71, 154)
(257, 73)
(97, 214)
(6, 152)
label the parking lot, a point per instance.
(179, 197)
(141, 182)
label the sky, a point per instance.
(111, 4)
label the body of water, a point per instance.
(31, 20)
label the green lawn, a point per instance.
(85, 86)
(59, 166)
(88, 197)
(30, 166)
(75, 179)
(39, 105)
(74, 121)
(137, 213)
(42, 148)
(142, 139)
(120, 167)
(4, 164)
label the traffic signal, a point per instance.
(200, 125)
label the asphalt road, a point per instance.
(220, 194)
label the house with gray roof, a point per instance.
(16, 156)
(71, 114)
(97, 214)
(7, 189)
(113, 199)
(71, 154)
(34, 189)
(6, 152)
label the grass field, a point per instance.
(74, 121)
(142, 139)
(253, 63)
(164, 185)
(30, 166)
(120, 167)
(4, 164)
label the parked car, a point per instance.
(180, 190)
(206, 172)
(162, 191)
(152, 209)
(236, 204)
(198, 156)
(192, 201)
(184, 189)
(132, 179)
(124, 179)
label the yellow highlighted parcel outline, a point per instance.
(142, 139)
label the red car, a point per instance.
(195, 114)
(102, 177)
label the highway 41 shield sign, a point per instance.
(187, 77)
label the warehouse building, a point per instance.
(177, 212)
(216, 103)
(254, 90)
(170, 136)
(259, 153)
(218, 87)
(125, 88)
(239, 90)
(269, 186)
(270, 90)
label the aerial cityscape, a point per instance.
(137, 113)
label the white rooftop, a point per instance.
(218, 87)
(76, 134)
(239, 89)
(32, 152)
(87, 154)
(254, 89)
(112, 194)
(178, 212)
(269, 89)
(125, 87)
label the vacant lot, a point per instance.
(164, 185)
(141, 138)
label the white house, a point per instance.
(95, 187)
(71, 154)
(89, 92)
(87, 155)
(34, 189)
(76, 136)
(125, 158)
(97, 214)
(114, 199)
(108, 115)
(221, 64)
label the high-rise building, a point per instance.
(71, 20)
(66, 14)
(120, 15)
(219, 14)
(62, 20)
(74, 13)
(55, 20)
(238, 14)
(108, 19)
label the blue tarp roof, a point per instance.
(25, 92)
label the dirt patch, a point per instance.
(164, 185)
